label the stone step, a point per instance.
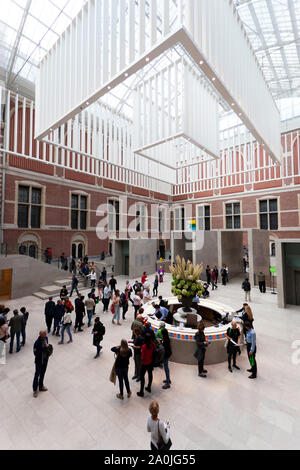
(41, 295)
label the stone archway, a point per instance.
(29, 244)
(79, 246)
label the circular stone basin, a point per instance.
(183, 339)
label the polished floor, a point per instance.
(225, 411)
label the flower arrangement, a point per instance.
(186, 283)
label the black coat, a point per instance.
(201, 347)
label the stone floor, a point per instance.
(225, 411)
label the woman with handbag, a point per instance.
(115, 308)
(160, 431)
(121, 366)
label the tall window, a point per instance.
(29, 207)
(233, 215)
(203, 216)
(79, 212)
(179, 219)
(113, 215)
(161, 220)
(141, 217)
(268, 210)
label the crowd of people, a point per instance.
(148, 350)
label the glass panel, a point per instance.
(23, 216)
(228, 209)
(237, 221)
(83, 220)
(73, 251)
(35, 217)
(32, 251)
(182, 219)
(83, 203)
(263, 206)
(74, 220)
(80, 250)
(23, 194)
(229, 222)
(273, 205)
(74, 201)
(273, 221)
(200, 211)
(201, 224)
(237, 208)
(207, 211)
(36, 196)
(264, 222)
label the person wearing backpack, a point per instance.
(148, 349)
(233, 334)
(160, 431)
(246, 286)
(98, 333)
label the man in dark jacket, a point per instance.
(74, 285)
(246, 286)
(58, 314)
(49, 313)
(16, 326)
(41, 363)
(201, 350)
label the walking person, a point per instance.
(137, 344)
(80, 313)
(160, 431)
(262, 282)
(113, 283)
(201, 350)
(251, 349)
(148, 349)
(49, 313)
(74, 285)
(217, 274)
(167, 354)
(124, 303)
(41, 362)
(246, 286)
(208, 275)
(66, 326)
(106, 297)
(122, 365)
(25, 319)
(137, 302)
(116, 308)
(90, 306)
(214, 279)
(98, 333)
(233, 346)
(58, 315)
(16, 326)
(93, 277)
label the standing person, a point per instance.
(74, 285)
(25, 319)
(160, 431)
(148, 349)
(124, 303)
(98, 333)
(144, 278)
(104, 275)
(137, 344)
(106, 297)
(137, 302)
(49, 313)
(155, 286)
(90, 305)
(146, 296)
(246, 286)
(73, 266)
(217, 273)
(62, 260)
(161, 273)
(122, 365)
(93, 277)
(16, 326)
(41, 362)
(116, 307)
(80, 312)
(208, 275)
(66, 326)
(251, 349)
(113, 283)
(262, 282)
(201, 350)
(58, 315)
(168, 353)
(3, 337)
(227, 273)
(233, 346)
